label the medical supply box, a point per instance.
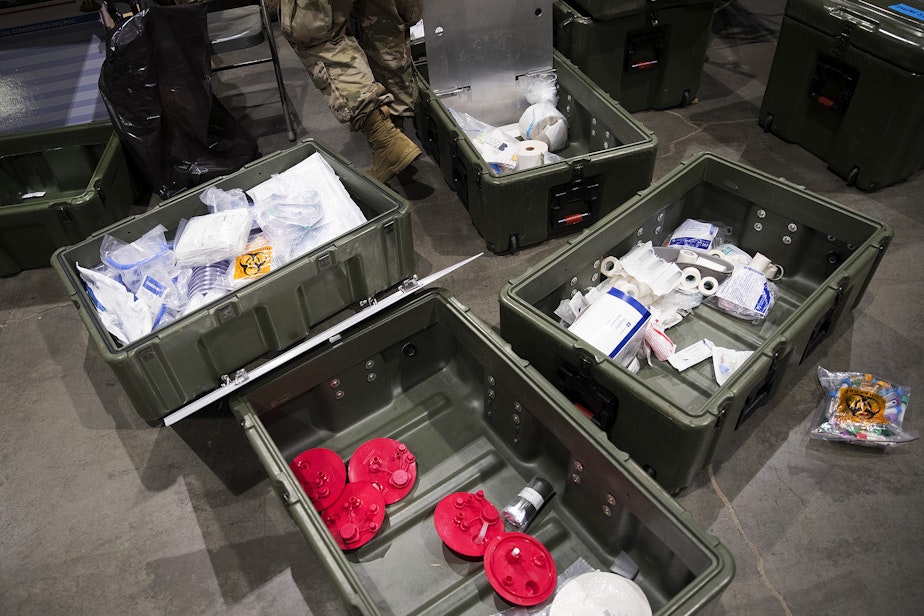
(189, 357)
(429, 385)
(846, 85)
(672, 422)
(646, 55)
(479, 60)
(57, 187)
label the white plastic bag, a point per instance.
(212, 237)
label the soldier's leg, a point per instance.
(384, 27)
(316, 30)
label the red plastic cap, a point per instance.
(321, 474)
(386, 463)
(520, 569)
(466, 522)
(356, 516)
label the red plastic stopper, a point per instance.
(321, 474)
(520, 569)
(386, 463)
(356, 516)
(466, 522)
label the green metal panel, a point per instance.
(846, 84)
(56, 188)
(609, 157)
(175, 364)
(649, 58)
(672, 422)
(476, 417)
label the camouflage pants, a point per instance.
(355, 76)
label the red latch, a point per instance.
(825, 101)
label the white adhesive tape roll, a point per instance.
(686, 257)
(690, 278)
(715, 252)
(531, 154)
(760, 263)
(708, 286)
(609, 267)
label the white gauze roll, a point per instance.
(531, 154)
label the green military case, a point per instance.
(608, 158)
(846, 84)
(430, 375)
(56, 188)
(175, 364)
(672, 422)
(646, 55)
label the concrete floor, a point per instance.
(102, 514)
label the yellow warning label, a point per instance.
(256, 261)
(860, 405)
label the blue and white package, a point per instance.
(694, 234)
(614, 324)
(747, 294)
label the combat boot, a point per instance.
(392, 151)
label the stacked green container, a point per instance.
(646, 55)
(846, 84)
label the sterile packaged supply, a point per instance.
(496, 147)
(212, 237)
(862, 409)
(747, 294)
(129, 260)
(614, 324)
(695, 234)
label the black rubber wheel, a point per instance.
(852, 176)
(768, 123)
(685, 99)
(513, 247)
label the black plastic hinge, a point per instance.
(577, 171)
(842, 40)
(64, 214)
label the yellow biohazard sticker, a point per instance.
(861, 405)
(256, 261)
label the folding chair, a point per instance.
(240, 27)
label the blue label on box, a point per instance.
(910, 11)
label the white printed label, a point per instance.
(534, 498)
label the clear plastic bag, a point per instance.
(496, 147)
(212, 237)
(129, 260)
(747, 294)
(862, 409)
(697, 234)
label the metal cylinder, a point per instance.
(521, 511)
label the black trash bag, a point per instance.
(156, 84)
